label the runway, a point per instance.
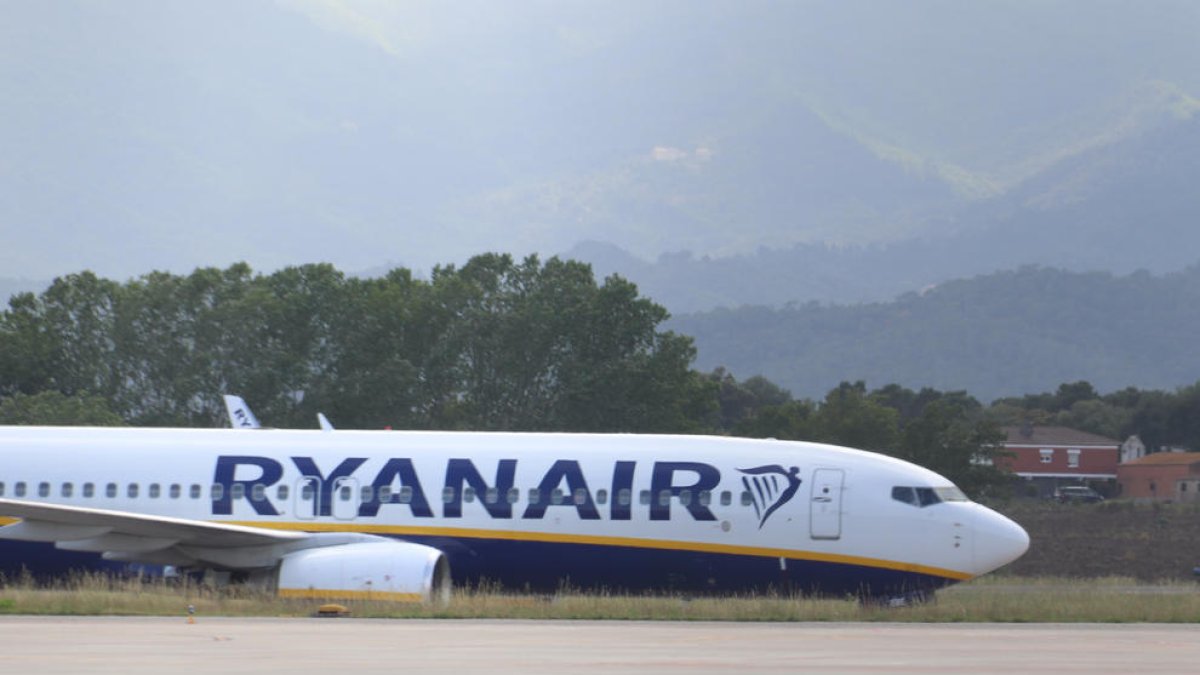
(213, 645)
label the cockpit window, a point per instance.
(926, 496)
(905, 494)
(951, 494)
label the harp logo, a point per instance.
(770, 487)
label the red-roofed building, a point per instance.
(1053, 456)
(1163, 476)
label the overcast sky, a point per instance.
(169, 135)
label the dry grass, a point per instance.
(995, 599)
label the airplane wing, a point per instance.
(53, 522)
(348, 562)
(126, 536)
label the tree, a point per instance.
(951, 438)
(1098, 417)
(1071, 393)
(1183, 418)
(739, 402)
(849, 417)
(27, 353)
(787, 421)
(75, 318)
(54, 409)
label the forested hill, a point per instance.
(1003, 334)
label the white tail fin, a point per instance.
(324, 422)
(240, 416)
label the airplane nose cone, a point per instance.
(998, 541)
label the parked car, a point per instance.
(1077, 493)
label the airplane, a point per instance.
(240, 415)
(402, 515)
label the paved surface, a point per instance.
(346, 646)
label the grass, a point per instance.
(993, 599)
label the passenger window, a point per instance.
(237, 491)
(110, 490)
(905, 494)
(43, 489)
(624, 497)
(153, 491)
(726, 498)
(175, 491)
(747, 498)
(406, 494)
(344, 493)
(258, 492)
(385, 494)
(19, 489)
(195, 491)
(218, 492)
(1, 488)
(89, 490)
(468, 494)
(581, 496)
(367, 494)
(602, 497)
(685, 497)
(705, 497)
(282, 493)
(491, 496)
(307, 491)
(664, 497)
(67, 490)
(535, 496)
(447, 495)
(132, 491)
(556, 496)
(514, 495)
(644, 497)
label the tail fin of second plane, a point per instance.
(240, 416)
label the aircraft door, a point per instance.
(345, 496)
(308, 498)
(825, 515)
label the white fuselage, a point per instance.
(519, 507)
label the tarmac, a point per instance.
(46, 645)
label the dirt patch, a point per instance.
(1149, 542)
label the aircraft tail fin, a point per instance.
(324, 422)
(240, 416)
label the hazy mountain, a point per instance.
(142, 135)
(1123, 204)
(1002, 334)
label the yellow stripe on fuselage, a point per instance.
(8, 521)
(660, 544)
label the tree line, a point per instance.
(493, 344)
(496, 344)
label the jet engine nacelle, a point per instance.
(374, 571)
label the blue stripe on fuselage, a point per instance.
(549, 566)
